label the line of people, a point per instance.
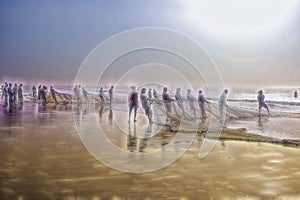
(41, 93)
(81, 94)
(12, 95)
(166, 100)
(110, 94)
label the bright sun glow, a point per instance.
(239, 16)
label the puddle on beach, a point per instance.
(42, 157)
(277, 127)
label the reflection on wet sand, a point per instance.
(137, 144)
(261, 121)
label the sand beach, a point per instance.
(42, 157)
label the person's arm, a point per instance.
(206, 101)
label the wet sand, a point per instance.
(42, 157)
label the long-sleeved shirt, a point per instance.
(223, 100)
(166, 97)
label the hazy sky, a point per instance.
(253, 42)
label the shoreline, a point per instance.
(232, 134)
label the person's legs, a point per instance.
(5, 100)
(192, 107)
(265, 105)
(21, 99)
(10, 99)
(147, 111)
(203, 110)
(259, 108)
(221, 110)
(135, 110)
(130, 110)
(102, 99)
(182, 110)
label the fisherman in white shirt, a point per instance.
(223, 103)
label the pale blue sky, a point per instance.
(48, 40)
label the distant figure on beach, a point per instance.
(39, 92)
(110, 93)
(10, 95)
(2, 96)
(44, 94)
(201, 102)
(101, 95)
(145, 104)
(15, 95)
(76, 91)
(261, 102)
(5, 93)
(79, 93)
(133, 102)
(167, 100)
(295, 94)
(150, 93)
(20, 93)
(155, 94)
(191, 101)
(179, 98)
(85, 95)
(53, 94)
(223, 103)
(34, 92)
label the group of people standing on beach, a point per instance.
(40, 93)
(151, 97)
(12, 94)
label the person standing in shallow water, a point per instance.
(110, 93)
(167, 100)
(5, 92)
(85, 95)
(201, 102)
(133, 102)
(145, 104)
(20, 93)
(261, 102)
(101, 95)
(2, 96)
(34, 92)
(15, 96)
(10, 95)
(223, 103)
(44, 94)
(191, 101)
(39, 92)
(179, 98)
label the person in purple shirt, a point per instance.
(133, 102)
